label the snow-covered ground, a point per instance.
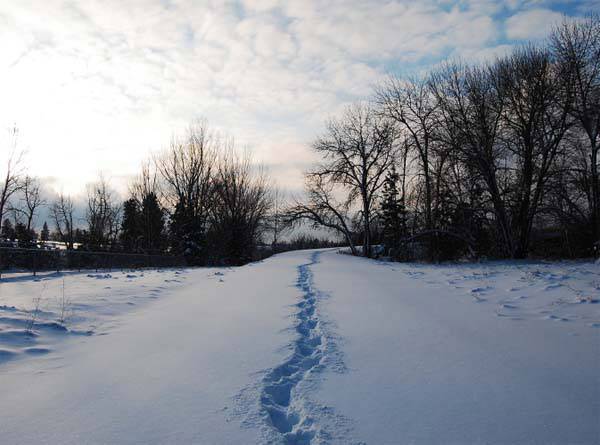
(36, 313)
(304, 347)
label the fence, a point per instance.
(37, 260)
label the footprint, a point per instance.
(36, 350)
(478, 290)
(553, 286)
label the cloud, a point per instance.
(532, 25)
(97, 85)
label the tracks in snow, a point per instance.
(281, 397)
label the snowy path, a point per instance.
(284, 412)
(286, 388)
(310, 347)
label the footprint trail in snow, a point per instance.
(286, 407)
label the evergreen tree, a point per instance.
(131, 230)
(8, 231)
(188, 234)
(45, 234)
(153, 223)
(81, 236)
(392, 213)
(25, 236)
(20, 234)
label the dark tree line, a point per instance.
(497, 159)
(199, 199)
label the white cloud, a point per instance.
(96, 85)
(531, 25)
(485, 54)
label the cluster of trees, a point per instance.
(20, 196)
(199, 198)
(496, 159)
(218, 202)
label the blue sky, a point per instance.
(97, 86)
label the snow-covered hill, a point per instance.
(304, 347)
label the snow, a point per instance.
(304, 347)
(38, 312)
(465, 353)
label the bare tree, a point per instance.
(276, 221)
(187, 169)
(12, 171)
(239, 210)
(535, 121)
(102, 214)
(322, 209)
(470, 108)
(31, 200)
(62, 211)
(357, 150)
(576, 45)
(412, 106)
(145, 184)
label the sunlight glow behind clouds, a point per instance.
(97, 85)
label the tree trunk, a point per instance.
(595, 207)
(367, 232)
(351, 244)
(523, 223)
(501, 217)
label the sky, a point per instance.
(98, 86)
